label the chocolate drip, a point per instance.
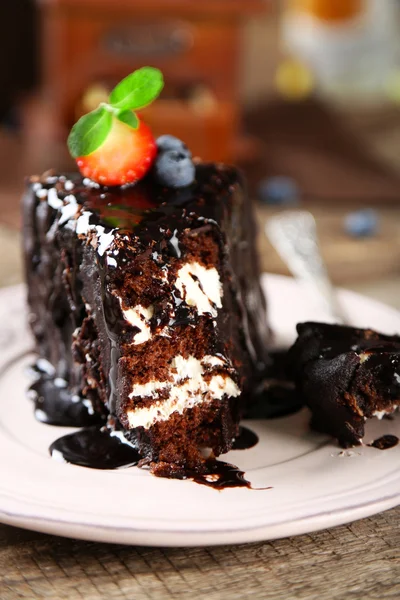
(385, 442)
(54, 405)
(220, 475)
(246, 439)
(96, 448)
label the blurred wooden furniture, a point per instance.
(18, 33)
(91, 44)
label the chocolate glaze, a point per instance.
(96, 448)
(54, 405)
(385, 442)
(345, 375)
(274, 398)
(246, 439)
(276, 395)
(53, 402)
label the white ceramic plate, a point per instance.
(314, 484)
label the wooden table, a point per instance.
(360, 561)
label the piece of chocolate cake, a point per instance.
(346, 376)
(146, 301)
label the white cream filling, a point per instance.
(213, 361)
(186, 387)
(139, 317)
(204, 291)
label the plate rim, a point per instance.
(184, 538)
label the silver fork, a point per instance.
(294, 235)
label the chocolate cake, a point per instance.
(146, 304)
(346, 376)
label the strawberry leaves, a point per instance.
(89, 132)
(136, 91)
(129, 118)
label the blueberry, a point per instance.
(362, 223)
(169, 142)
(174, 169)
(278, 190)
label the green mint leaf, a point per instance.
(89, 132)
(128, 117)
(137, 90)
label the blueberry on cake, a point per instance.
(346, 376)
(143, 283)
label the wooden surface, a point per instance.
(360, 561)
(348, 259)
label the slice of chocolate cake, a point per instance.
(146, 301)
(346, 376)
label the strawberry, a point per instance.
(124, 157)
(110, 144)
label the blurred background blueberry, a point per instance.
(278, 190)
(362, 223)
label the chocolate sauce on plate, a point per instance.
(220, 475)
(385, 442)
(100, 448)
(246, 439)
(96, 448)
